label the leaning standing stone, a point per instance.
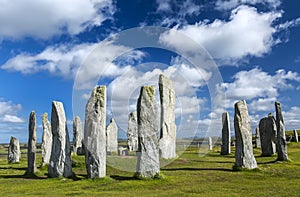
(112, 136)
(148, 154)
(60, 160)
(268, 132)
(295, 135)
(281, 140)
(244, 157)
(132, 132)
(14, 153)
(95, 133)
(167, 142)
(257, 138)
(31, 169)
(226, 140)
(77, 135)
(46, 140)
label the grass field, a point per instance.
(192, 174)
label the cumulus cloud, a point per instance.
(230, 4)
(9, 111)
(44, 19)
(291, 118)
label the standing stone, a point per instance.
(167, 142)
(31, 169)
(46, 140)
(226, 140)
(112, 137)
(295, 135)
(281, 141)
(95, 133)
(268, 132)
(244, 157)
(77, 136)
(132, 132)
(257, 138)
(148, 151)
(14, 153)
(60, 160)
(210, 145)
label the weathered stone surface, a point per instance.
(132, 132)
(268, 132)
(210, 145)
(14, 153)
(167, 142)
(148, 151)
(257, 138)
(122, 151)
(31, 169)
(46, 140)
(60, 160)
(112, 137)
(95, 133)
(296, 136)
(244, 157)
(281, 141)
(226, 138)
(77, 135)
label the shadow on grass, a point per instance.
(23, 176)
(123, 178)
(198, 169)
(202, 161)
(12, 168)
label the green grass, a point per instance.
(192, 174)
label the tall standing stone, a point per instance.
(257, 138)
(14, 153)
(31, 169)
(60, 160)
(226, 139)
(132, 132)
(167, 142)
(77, 135)
(296, 135)
(281, 140)
(244, 157)
(95, 133)
(210, 144)
(268, 132)
(148, 151)
(112, 137)
(46, 140)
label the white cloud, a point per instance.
(291, 118)
(163, 5)
(9, 111)
(44, 19)
(230, 4)
(11, 119)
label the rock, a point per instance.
(244, 157)
(31, 169)
(46, 140)
(122, 151)
(14, 153)
(112, 137)
(60, 160)
(210, 145)
(257, 138)
(147, 118)
(226, 139)
(132, 133)
(268, 132)
(281, 141)
(167, 142)
(296, 136)
(95, 133)
(77, 135)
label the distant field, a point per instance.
(191, 174)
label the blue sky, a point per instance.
(57, 50)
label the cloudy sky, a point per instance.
(216, 52)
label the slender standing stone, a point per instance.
(95, 133)
(148, 152)
(132, 132)
(257, 138)
(112, 136)
(77, 135)
(60, 160)
(244, 157)
(268, 132)
(167, 142)
(281, 140)
(46, 140)
(295, 135)
(210, 145)
(14, 153)
(31, 144)
(226, 140)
